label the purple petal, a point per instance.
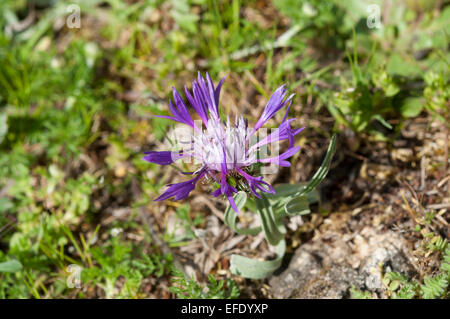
(217, 91)
(205, 97)
(214, 94)
(227, 190)
(209, 95)
(197, 104)
(183, 113)
(256, 182)
(282, 133)
(166, 117)
(233, 204)
(179, 111)
(163, 158)
(280, 160)
(217, 192)
(287, 111)
(224, 163)
(180, 190)
(276, 102)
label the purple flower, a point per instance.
(226, 151)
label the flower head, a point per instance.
(227, 151)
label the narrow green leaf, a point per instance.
(323, 170)
(285, 190)
(283, 194)
(230, 216)
(297, 206)
(286, 193)
(10, 266)
(257, 269)
(382, 121)
(337, 114)
(3, 126)
(273, 231)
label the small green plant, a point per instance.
(371, 96)
(118, 260)
(437, 95)
(435, 287)
(358, 294)
(185, 223)
(214, 289)
(399, 286)
(324, 21)
(12, 283)
(375, 93)
(438, 286)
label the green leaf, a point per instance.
(411, 106)
(3, 126)
(434, 287)
(274, 231)
(257, 269)
(183, 17)
(296, 200)
(283, 194)
(337, 114)
(402, 66)
(396, 276)
(230, 215)
(297, 206)
(382, 121)
(358, 294)
(286, 192)
(445, 265)
(323, 170)
(406, 292)
(5, 204)
(10, 266)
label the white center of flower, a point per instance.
(212, 142)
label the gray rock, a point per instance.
(328, 266)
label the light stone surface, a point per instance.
(329, 265)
